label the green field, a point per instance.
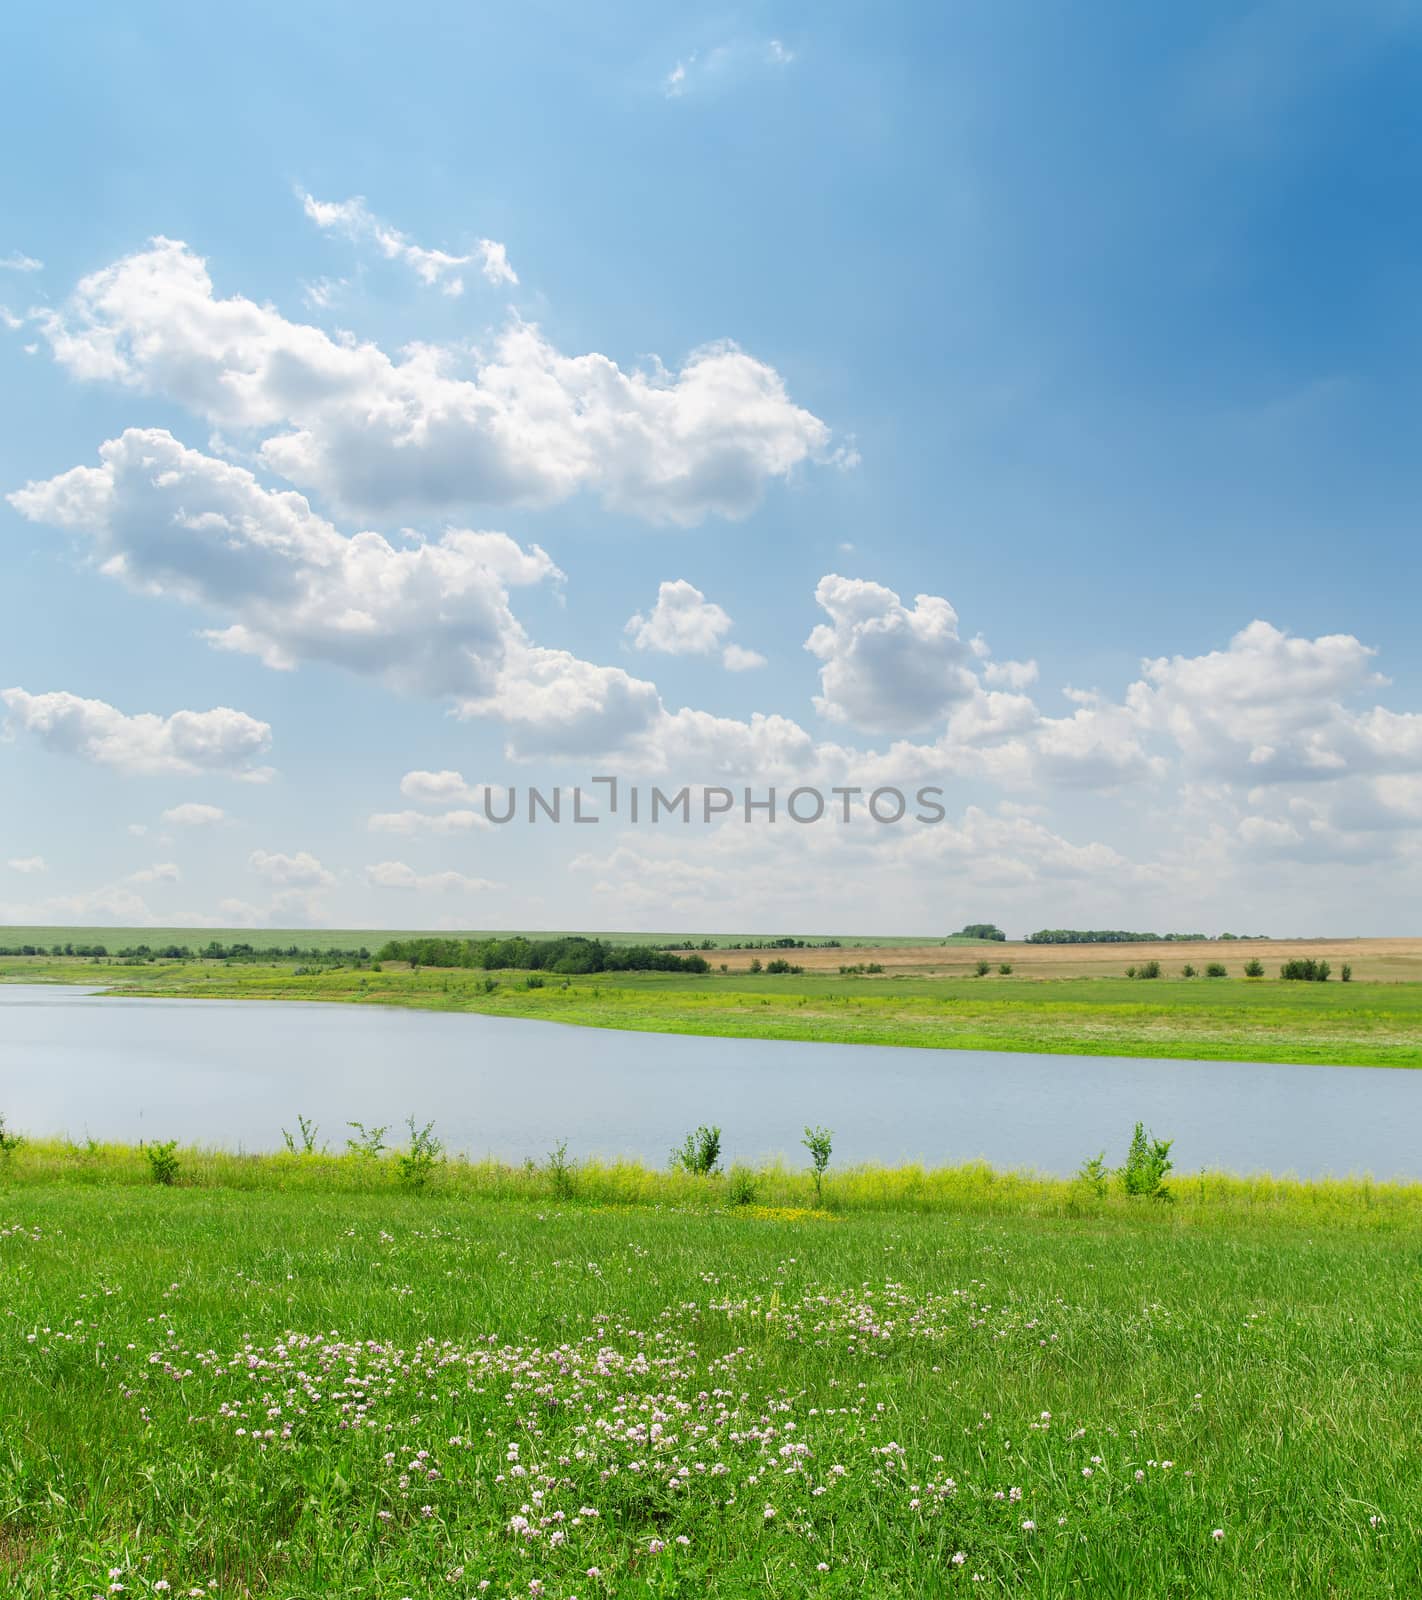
(1355, 1024)
(287, 1378)
(373, 938)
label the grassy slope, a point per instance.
(1257, 1381)
(1344, 1024)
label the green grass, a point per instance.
(1356, 1024)
(228, 1385)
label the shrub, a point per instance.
(1187, 971)
(817, 1142)
(1147, 969)
(308, 1130)
(417, 1163)
(779, 965)
(561, 1171)
(9, 1141)
(699, 1152)
(742, 1186)
(1005, 968)
(1305, 971)
(533, 981)
(163, 1162)
(1094, 1173)
(983, 968)
(1254, 968)
(1216, 970)
(755, 965)
(1147, 1162)
(368, 1141)
(1345, 973)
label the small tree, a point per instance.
(308, 1130)
(984, 967)
(1147, 1162)
(1254, 968)
(817, 1142)
(1187, 971)
(561, 1170)
(1345, 973)
(163, 1162)
(1095, 1174)
(1005, 968)
(1216, 970)
(699, 1153)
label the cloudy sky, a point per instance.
(1017, 399)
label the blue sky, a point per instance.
(1098, 331)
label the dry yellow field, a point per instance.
(1377, 959)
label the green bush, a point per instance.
(1254, 968)
(562, 1171)
(1147, 1162)
(742, 1185)
(418, 1161)
(699, 1153)
(163, 1162)
(1216, 969)
(1306, 971)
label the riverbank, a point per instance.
(1232, 1019)
(333, 1168)
(310, 1390)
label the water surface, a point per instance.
(235, 1072)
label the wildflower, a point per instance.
(1140, 1476)
(161, 1586)
(1374, 1522)
(822, 1566)
(535, 1587)
(1217, 1534)
(958, 1558)
(682, 1540)
(1029, 1526)
(593, 1572)
(656, 1546)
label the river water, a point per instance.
(234, 1073)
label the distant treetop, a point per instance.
(982, 930)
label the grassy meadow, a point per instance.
(1363, 1023)
(290, 1377)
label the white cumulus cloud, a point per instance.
(186, 743)
(191, 814)
(397, 875)
(683, 622)
(888, 666)
(299, 871)
(27, 864)
(529, 425)
(429, 617)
